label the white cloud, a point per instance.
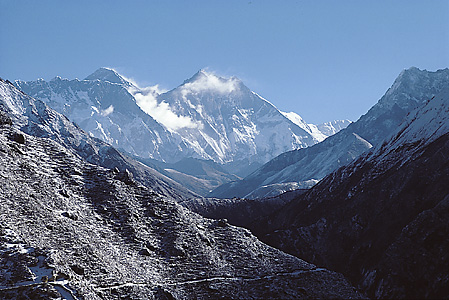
(106, 112)
(146, 98)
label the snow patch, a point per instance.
(106, 112)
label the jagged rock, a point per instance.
(125, 176)
(18, 137)
(77, 269)
(70, 215)
(145, 252)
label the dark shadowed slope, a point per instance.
(383, 219)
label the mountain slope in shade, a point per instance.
(71, 229)
(412, 88)
(383, 219)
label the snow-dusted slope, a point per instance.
(70, 229)
(331, 128)
(412, 88)
(319, 132)
(423, 125)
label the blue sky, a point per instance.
(324, 60)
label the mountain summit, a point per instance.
(207, 117)
(109, 74)
(72, 229)
(382, 220)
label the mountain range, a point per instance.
(369, 201)
(381, 220)
(207, 117)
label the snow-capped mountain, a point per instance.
(71, 229)
(104, 108)
(412, 88)
(229, 122)
(321, 131)
(383, 219)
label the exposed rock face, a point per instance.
(383, 219)
(73, 229)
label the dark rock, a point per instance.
(5, 119)
(125, 176)
(163, 294)
(145, 252)
(222, 223)
(77, 269)
(70, 215)
(18, 137)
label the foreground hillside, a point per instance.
(73, 229)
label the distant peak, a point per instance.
(204, 74)
(108, 74)
(206, 81)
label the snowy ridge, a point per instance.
(106, 110)
(387, 211)
(237, 124)
(421, 126)
(319, 132)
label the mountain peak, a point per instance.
(204, 80)
(108, 74)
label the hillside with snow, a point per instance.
(72, 227)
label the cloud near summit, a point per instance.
(146, 98)
(207, 81)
